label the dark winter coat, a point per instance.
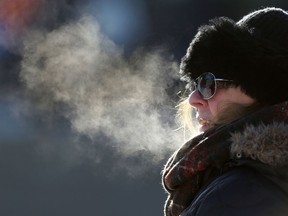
(255, 183)
(240, 168)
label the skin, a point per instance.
(208, 110)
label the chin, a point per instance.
(204, 128)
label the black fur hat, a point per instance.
(253, 52)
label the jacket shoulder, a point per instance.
(240, 191)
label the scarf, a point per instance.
(184, 173)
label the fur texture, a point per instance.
(253, 53)
(266, 143)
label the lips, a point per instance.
(205, 124)
(203, 121)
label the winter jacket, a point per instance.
(237, 169)
(248, 187)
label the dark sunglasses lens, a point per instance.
(206, 85)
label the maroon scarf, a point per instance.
(183, 174)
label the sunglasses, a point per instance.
(207, 85)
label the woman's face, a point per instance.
(209, 110)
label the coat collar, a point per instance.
(267, 143)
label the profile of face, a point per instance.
(208, 109)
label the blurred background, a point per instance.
(88, 90)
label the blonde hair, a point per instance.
(185, 118)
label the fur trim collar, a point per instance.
(266, 143)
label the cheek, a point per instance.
(216, 104)
(213, 109)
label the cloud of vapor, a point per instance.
(79, 73)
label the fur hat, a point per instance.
(253, 52)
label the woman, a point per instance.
(238, 165)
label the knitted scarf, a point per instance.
(184, 172)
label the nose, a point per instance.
(196, 101)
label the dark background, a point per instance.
(47, 167)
